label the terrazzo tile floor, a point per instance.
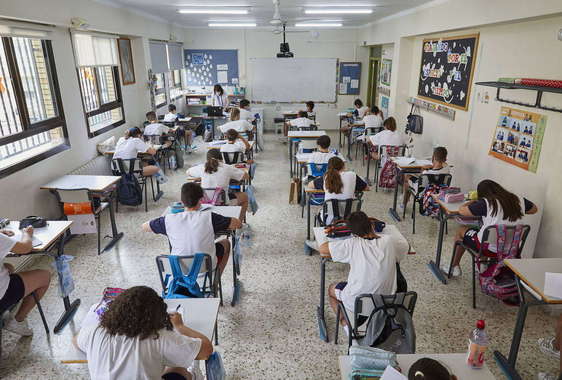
(272, 332)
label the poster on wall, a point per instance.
(385, 102)
(518, 138)
(447, 68)
(349, 78)
(210, 67)
(386, 71)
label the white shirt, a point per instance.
(372, 121)
(220, 178)
(300, 122)
(362, 111)
(246, 115)
(372, 266)
(155, 129)
(127, 149)
(237, 146)
(6, 245)
(116, 357)
(238, 125)
(387, 137)
(170, 117)
(322, 157)
(219, 100)
(348, 191)
(490, 220)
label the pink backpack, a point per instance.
(387, 178)
(218, 198)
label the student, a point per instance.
(17, 286)
(373, 118)
(214, 173)
(193, 231)
(236, 123)
(495, 205)
(245, 113)
(338, 183)
(360, 109)
(301, 121)
(136, 338)
(172, 115)
(131, 145)
(551, 346)
(235, 143)
(323, 154)
(154, 128)
(389, 136)
(372, 262)
(310, 110)
(429, 369)
(438, 166)
(219, 98)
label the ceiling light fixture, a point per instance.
(318, 25)
(214, 11)
(230, 24)
(337, 11)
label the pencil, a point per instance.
(74, 361)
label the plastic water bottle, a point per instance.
(477, 344)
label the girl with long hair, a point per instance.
(240, 126)
(338, 183)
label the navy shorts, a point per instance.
(14, 293)
(173, 376)
(470, 239)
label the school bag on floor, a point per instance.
(179, 285)
(252, 203)
(129, 192)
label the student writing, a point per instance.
(245, 113)
(128, 148)
(239, 125)
(338, 183)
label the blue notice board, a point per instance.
(209, 67)
(349, 82)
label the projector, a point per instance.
(285, 50)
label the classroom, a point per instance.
(280, 189)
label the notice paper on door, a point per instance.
(354, 83)
(222, 76)
(553, 285)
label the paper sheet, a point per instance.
(83, 224)
(354, 83)
(222, 76)
(346, 79)
(392, 374)
(343, 88)
(224, 66)
(553, 284)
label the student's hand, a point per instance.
(176, 320)
(28, 230)
(7, 232)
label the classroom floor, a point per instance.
(272, 332)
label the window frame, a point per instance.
(30, 129)
(103, 107)
(172, 85)
(161, 91)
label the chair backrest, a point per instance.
(231, 157)
(436, 179)
(334, 209)
(165, 269)
(121, 166)
(508, 240)
(73, 196)
(309, 128)
(317, 170)
(153, 139)
(392, 150)
(307, 146)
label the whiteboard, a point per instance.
(293, 80)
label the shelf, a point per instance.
(514, 86)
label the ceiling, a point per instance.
(261, 11)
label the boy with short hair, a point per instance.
(301, 121)
(172, 114)
(154, 128)
(310, 109)
(324, 153)
(245, 113)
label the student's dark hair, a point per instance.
(303, 114)
(359, 224)
(310, 104)
(323, 141)
(191, 194)
(440, 154)
(234, 114)
(218, 88)
(133, 132)
(332, 178)
(428, 369)
(494, 193)
(390, 124)
(151, 115)
(358, 103)
(244, 103)
(232, 135)
(171, 107)
(375, 110)
(137, 312)
(214, 157)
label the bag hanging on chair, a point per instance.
(179, 285)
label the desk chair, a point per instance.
(386, 151)
(83, 196)
(217, 195)
(423, 182)
(120, 166)
(316, 170)
(369, 131)
(331, 209)
(389, 322)
(231, 158)
(509, 241)
(307, 146)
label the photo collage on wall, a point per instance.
(518, 138)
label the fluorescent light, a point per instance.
(231, 24)
(214, 11)
(318, 25)
(337, 11)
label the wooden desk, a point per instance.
(455, 362)
(51, 236)
(530, 276)
(404, 167)
(101, 185)
(295, 136)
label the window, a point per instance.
(32, 124)
(160, 91)
(98, 75)
(174, 82)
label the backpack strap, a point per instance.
(196, 266)
(347, 211)
(336, 209)
(177, 273)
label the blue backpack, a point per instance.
(179, 285)
(129, 192)
(215, 367)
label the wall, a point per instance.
(19, 192)
(515, 48)
(340, 44)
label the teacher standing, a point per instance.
(219, 98)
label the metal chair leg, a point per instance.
(414, 216)
(337, 325)
(99, 233)
(473, 282)
(40, 309)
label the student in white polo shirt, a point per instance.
(154, 128)
(239, 125)
(136, 338)
(193, 231)
(131, 145)
(301, 121)
(245, 113)
(172, 114)
(323, 153)
(372, 262)
(236, 144)
(17, 286)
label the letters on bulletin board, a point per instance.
(518, 138)
(210, 67)
(447, 68)
(349, 78)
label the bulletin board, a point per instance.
(210, 67)
(349, 82)
(447, 68)
(518, 138)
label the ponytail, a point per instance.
(332, 179)
(214, 157)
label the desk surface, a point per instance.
(219, 143)
(199, 314)
(90, 182)
(456, 362)
(449, 208)
(532, 271)
(302, 158)
(47, 235)
(306, 134)
(404, 162)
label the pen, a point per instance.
(177, 308)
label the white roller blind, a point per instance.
(30, 30)
(175, 56)
(95, 50)
(158, 57)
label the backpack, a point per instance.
(428, 205)
(387, 177)
(109, 294)
(217, 199)
(215, 367)
(179, 285)
(129, 192)
(338, 229)
(179, 159)
(415, 121)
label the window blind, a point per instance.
(158, 57)
(175, 56)
(95, 50)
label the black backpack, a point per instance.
(415, 121)
(129, 192)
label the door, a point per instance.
(372, 94)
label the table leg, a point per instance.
(213, 129)
(349, 145)
(115, 235)
(435, 266)
(70, 308)
(235, 272)
(340, 133)
(392, 211)
(368, 166)
(291, 157)
(322, 330)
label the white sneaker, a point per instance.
(546, 345)
(20, 328)
(455, 272)
(546, 376)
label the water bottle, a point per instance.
(477, 345)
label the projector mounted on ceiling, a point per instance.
(285, 51)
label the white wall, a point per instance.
(19, 192)
(340, 44)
